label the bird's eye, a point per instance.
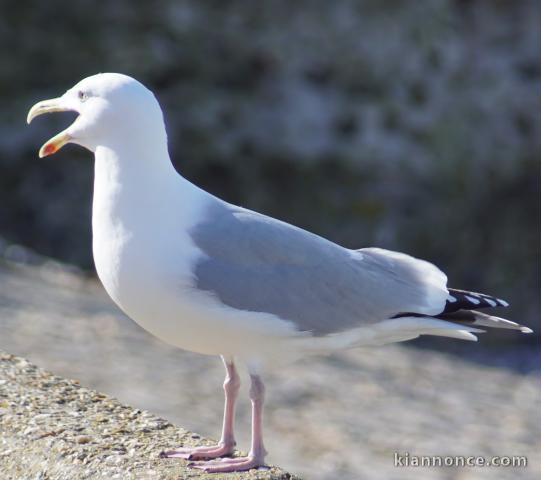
(82, 95)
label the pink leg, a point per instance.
(256, 457)
(227, 443)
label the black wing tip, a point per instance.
(464, 299)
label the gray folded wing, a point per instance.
(256, 263)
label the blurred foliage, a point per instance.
(408, 125)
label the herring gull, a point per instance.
(218, 279)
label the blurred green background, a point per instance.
(412, 126)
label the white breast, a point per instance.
(144, 257)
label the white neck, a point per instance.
(134, 180)
(135, 157)
(142, 214)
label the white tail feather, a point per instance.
(415, 326)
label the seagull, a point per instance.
(211, 277)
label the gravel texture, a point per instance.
(53, 428)
(339, 417)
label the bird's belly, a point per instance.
(154, 287)
(148, 288)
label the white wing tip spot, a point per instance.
(470, 299)
(451, 299)
(491, 302)
(503, 303)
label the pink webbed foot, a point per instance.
(200, 453)
(223, 465)
(256, 457)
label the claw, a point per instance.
(224, 465)
(199, 453)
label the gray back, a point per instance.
(257, 263)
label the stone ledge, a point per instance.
(55, 429)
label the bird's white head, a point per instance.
(112, 108)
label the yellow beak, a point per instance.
(47, 106)
(58, 141)
(54, 144)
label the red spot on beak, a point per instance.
(49, 149)
(54, 144)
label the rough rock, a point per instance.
(55, 429)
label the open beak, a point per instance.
(58, 141)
